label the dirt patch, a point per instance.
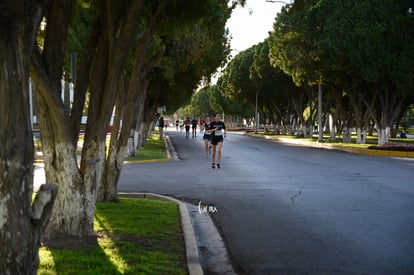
(71, 242)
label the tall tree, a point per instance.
(21, 223)
(283, 101)
(116, 28)
(373, 48)
(58, 150)
(181, 45)
(344, 42)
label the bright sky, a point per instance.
(251, 24)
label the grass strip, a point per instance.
(136, 236)
(370, 140)
(153, 149)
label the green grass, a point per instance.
(370, 140)
(154, 149)
(136, 236)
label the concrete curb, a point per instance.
(169, 147)
(193, 259)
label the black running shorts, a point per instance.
(216, 139)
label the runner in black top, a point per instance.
(187, 124)
(218, 133)
(194, 123)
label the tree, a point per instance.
(282, 100)
(119, 27)
(58, 150)
(351, 42)
(21, 222)
(294, 44)
(235, 81)
(175, 60)
(251, 73)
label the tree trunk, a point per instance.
(116, 154)
(73, 214)
(118, 144)
(21, 223)
(74, 211)
(391, 106)
(332, 126)
(18, 247)
(120, 32)
(136, 94)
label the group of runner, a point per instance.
(187, 124)
(214, 132)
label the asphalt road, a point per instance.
(294, 210)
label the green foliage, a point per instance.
(79, 31)
(325, 41)
(371, 39)
(249, 74)
(361, 51)
(294, 44)
(235, 81)
(194, 50)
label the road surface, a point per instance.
(294, 210)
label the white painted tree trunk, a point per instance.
(346, 135)
(113, 168)
(387, 134)
(364, 136)
(92, 166)
(72, 213)
(361, 136)
(358, 136)
(382, 136)
(332, 127)
(132, 143)
(136, 139)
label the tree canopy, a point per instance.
(361, 48)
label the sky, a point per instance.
(251, 24)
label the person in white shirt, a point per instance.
(218, 133)
(207, 135)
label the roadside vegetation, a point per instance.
(134, 236)
(395, 144)
(154, 149)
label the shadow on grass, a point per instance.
(69, 255)
(135, 236)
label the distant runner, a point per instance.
(207, 135)
(194, 123)
(187, 124)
